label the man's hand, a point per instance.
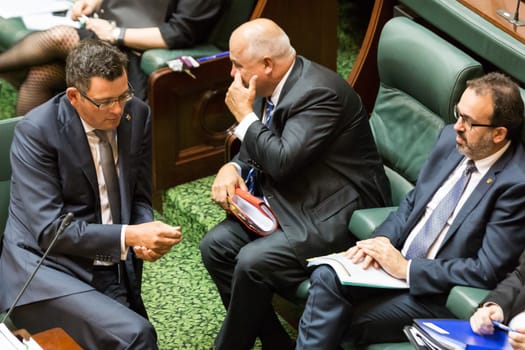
(517, 339)
(225, 183)
(101, 27)
(379, 252)
(84, 7)
(239, 98)
(481, 320)
(152, 240)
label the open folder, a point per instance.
(354, 274)
(452, 334)
(253, 212)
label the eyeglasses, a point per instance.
(468, 122)
(107, 104)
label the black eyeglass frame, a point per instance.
(125, 97)
(468, 122)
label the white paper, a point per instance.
(354, 274)
(20, 8)
(8, 341)
(43, 21)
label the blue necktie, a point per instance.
(434, 225)
(269, 111)
(252, 174)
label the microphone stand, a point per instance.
(514, 19)
(65, 223)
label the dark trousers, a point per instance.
(247, 270)
(335, 313)
(96, 319)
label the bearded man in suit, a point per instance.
(476, 243)
(308, 150)
(87, 152)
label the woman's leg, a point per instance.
(41, 83)
(39, 48)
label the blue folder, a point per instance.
(457, 334)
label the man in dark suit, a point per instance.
(314, 161)
(90, 282)
(476, 244)
(505, 304)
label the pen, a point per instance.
(502, 326)
(212, 57)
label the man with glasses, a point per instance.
(86, 152)
(463, 224)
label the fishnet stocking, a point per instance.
(42, 83)
(42, 54)
(39, 48)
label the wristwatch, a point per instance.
(118, 36)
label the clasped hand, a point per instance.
(378, 252)
(152, 240)
(481, 323)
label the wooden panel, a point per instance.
(311, 26)
(364, 76)
(189, 123)
(489, 10)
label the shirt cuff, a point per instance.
(408, 272)
(243, 126)
(123, 248)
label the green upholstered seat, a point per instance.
(11, 31)
(474, 32)
(7, 127)
(235, 13)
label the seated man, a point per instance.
(461, 225)
(310, 155)
(132, 25)
(505, 304)
(86, 152)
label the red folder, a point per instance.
(253, 212)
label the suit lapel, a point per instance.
(441, 173)
(484, 185)
(75, 136)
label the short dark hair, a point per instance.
(506, 100)
(94, 58)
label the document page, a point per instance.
(354, 274)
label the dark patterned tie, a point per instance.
(110, 175)
(269, 111)
(251, 178)
(434, 225)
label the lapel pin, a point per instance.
(489, 181)
(128, 117)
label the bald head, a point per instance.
(263, 37)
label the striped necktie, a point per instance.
(110, 175)
(434, 225)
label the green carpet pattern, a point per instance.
(182, 301)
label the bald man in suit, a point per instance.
(306, 138)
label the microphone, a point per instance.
(63, 225)
(512, 18)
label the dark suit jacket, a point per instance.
(510, 293)
(318, 159)
(487, 236)
(54, 174)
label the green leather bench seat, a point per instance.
(11, 31)
(474, 32)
